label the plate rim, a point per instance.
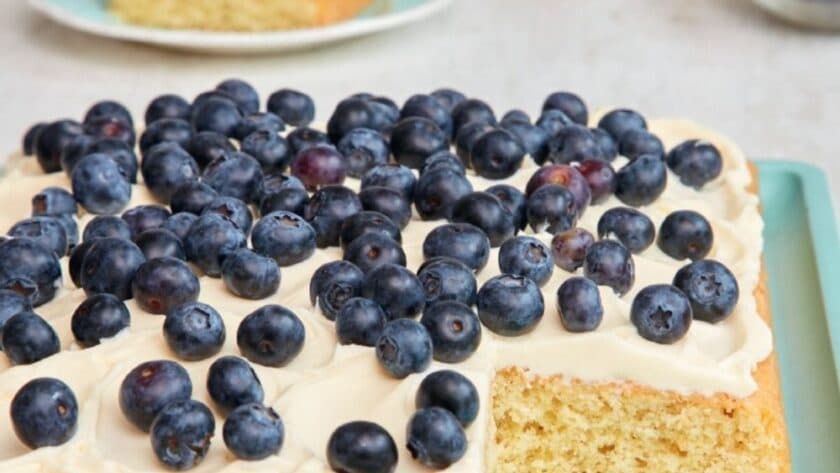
(237, 41)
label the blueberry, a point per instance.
(711, 289)
(207, 146)
(109, 267)
(363, 149)
(497, 154)
(466, 138)
(149, 387)
(526, 256)
(414, 139)
(454, 329)
(47, 231)
(234, 209)
(661, 313)
(29, 269)
(608, 146)
(601, 178)
(515, 116)
(54, 201)
(510, 305)
(568, 103)
(446, 279)
(284, 236)
(629, 226)
(235, 175)
(396, 289)
(120, 152)
(253, 432)
(636, 142)
(71, 230)
(579, 305)
(269, 149)
(99, 185)
(470, 111)
(318, 166)
(619, 121)
(216, 114)
(108, 109)
(563, 175)
(361, 447)
(181, 434)
(291, 199)
(388, 202)
(76, 148)
(485, 211)
(179, 224)
(553, 121)
(452, 391)
(192, 197)
(695, 162)
(259, 121)
(327, 210)
(278, 182)
(194, 331)
(294, 107)
(426, 106)
(28, 338)
(51, 140)
(31, 137)
(210, 240)
(271, 336)
(403, 348)
(641, 181)
(74, 264)
(302, 138)
(368, 222)
(462, 241)
(443, 160)
(532, 137)
(107, 128)
(167, 106)
(145, 217)
(166, 130)
(160, 243)
(242, 93)
(609, 263)
(393, 176)
(11, 304)
(104, 226)
(569, 248)
(360, 321)
(250, 275)
(551, 209)
(435, 438)
(163, 283)
(333, 284)
(513, 200)
(448, 98)
(100, 316)
(685, 234)
(371, 250)
(437, 192)
(573, 143)
(349, 114)
(44, 413)
(384, 115)
(231, 382)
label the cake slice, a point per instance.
(236, 15)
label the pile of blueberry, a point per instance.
(216, 163)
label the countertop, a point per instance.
(772, 87)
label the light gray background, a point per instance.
(774, 88)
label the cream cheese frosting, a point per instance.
(329, 384)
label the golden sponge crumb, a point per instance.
(236, 15)
(552, 425)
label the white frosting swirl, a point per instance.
(329, 384)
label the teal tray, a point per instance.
(802, 253)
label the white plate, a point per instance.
(92, 16)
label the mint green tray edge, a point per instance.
(802, 254)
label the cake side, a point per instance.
(551, 423)
(239, 15)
